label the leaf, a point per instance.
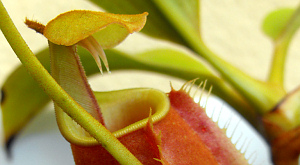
(110, 29)
(22, 98)
(21, 88)
(184, 16)
(180, 60)
(157, 26)
(275, 22)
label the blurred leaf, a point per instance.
(22, 89)
(185, 18)
(275, 22)
(22, 98)
(172, 59)
(184, 14)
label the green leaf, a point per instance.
(22, 98)
(184, 16)
(275, 22)
(21, 88)
(180, 61)
(157, 25)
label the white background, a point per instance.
(232, 28)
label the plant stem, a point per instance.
(262, 96)
(282, 43)
(58, 95)
(276, 74)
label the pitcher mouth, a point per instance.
(124, 111)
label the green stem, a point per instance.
(262, 96)
(282, 43)
(276, 74)
(58, 95)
